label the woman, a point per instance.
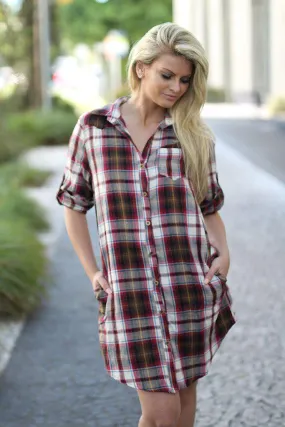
(147, 163)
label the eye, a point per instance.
(165, 76)
(185, 81)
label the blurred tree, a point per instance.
(19, 45)
(30, 32)
(54, 30)
(10, 42)
(32, 95)
(86, 21)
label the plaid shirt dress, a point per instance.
(161, 326)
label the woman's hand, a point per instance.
(220, 267)
(99, 282)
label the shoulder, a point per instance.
(98, 117)
(95, 117)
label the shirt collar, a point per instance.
(113, 113)
(168, 120)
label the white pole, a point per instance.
(44, 50)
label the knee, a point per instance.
(169, 419)
(165, 420)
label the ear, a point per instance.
(140, 69)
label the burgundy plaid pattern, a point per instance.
(161, 326)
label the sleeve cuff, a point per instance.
(75, 203)
(211, 206)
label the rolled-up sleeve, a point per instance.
(76, 190)
(214, 199)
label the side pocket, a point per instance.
(103, 298)
(226, 289)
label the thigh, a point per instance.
(159, 405)
(188, 394)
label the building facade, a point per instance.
(244, 41)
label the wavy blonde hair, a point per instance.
(195, 138)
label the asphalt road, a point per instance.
(56, 376)
(261, 141)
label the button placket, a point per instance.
(161, 308)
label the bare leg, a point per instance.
(188, 399)
(159, 409)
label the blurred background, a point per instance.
(75, 50)
(59, 58)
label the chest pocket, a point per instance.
(170, 162)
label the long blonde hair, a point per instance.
(195, 138)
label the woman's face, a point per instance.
(166, 79)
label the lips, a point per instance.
(171, 97)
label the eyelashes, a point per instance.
(168, 77)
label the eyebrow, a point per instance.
(188, 75)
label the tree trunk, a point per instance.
(30, 32)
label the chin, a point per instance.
(164, 103)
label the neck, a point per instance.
(145, 109)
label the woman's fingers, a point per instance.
(95, 283)
(99, 282)
(105, 285)
(209, 276)
(222, 276)
(217, 268)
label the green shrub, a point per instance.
(61, 104)
(277, 105)
(19, 174)
(12, 103)
(15, 205)
(17, 102)
(216, 95)
(12, 144)
(20, 131)
(23, 268)
(42, 128)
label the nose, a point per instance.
(175, 86)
